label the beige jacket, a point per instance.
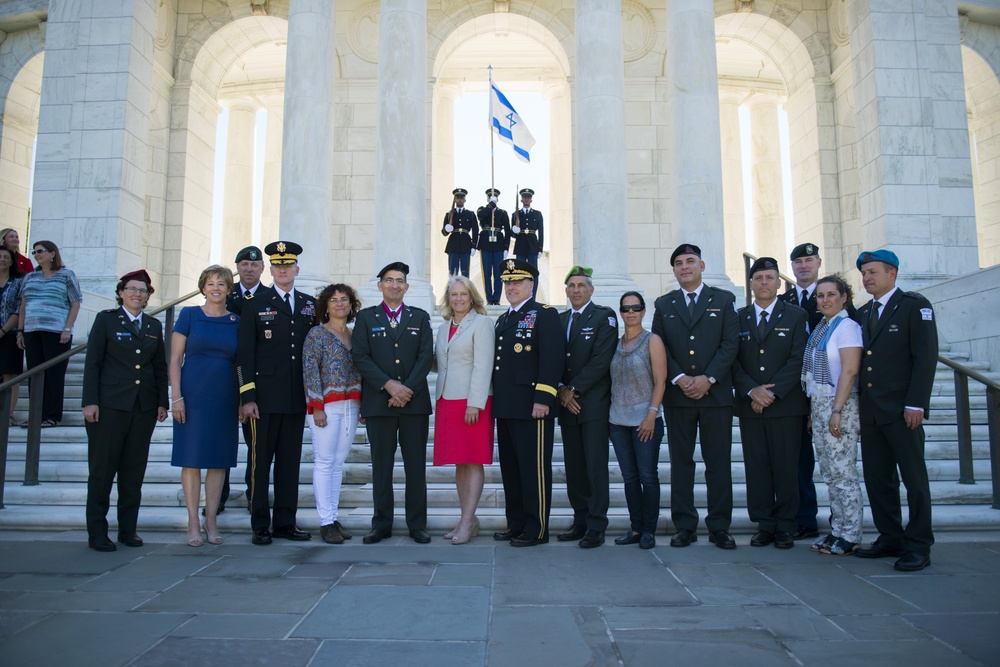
(465, 363)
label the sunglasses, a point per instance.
(634, 308)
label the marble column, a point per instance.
(765, 167)
(602, 229)
(270, 208)
(444, 179)
(732, 183)
(695, 185)
(307, 140)
(559, 223)
(401, 145)
(237, 199)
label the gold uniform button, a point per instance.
(762, 350)
(568, 354)
(693, 367)
(501, 337)
(869, 385)
(761, 368)
(869, 353)
(137, 381)
(498, 358)
(293, 344)
(137, 352)
(496, 368)
(137, 367)
(869, 368)
(397, 344)
(692, 337)
(293, 357)
(397, 361)
(691, 352)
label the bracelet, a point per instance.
(837, 412)
(177, 399)
(654, 408)
(70, 329)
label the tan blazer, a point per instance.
(465, 363)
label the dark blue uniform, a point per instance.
(461, 240)
(494, 241)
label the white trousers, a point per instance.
(331, 445)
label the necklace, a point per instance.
(626, 341)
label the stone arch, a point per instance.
(550, 73)
(982, 94)
(21, 58)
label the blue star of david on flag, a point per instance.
(508, 125)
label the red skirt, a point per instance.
(458, 442)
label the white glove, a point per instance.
(449, 228)
(505, 254)
(473, 253)
(515, 229)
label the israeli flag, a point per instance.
(508, 125)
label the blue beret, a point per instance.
(882, 255)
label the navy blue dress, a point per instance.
(209, 437)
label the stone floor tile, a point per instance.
(64, 557)
(452, 574)
(346, 653)
(248, 566)
(13, 621)
(867, 627)
(388, 574)
(832, 590)
(539, 636)
(402, 550)
(152, 573)
(796, 622)
(331, 571)
(574, 576)
(247, 625)
(85, 639)
(746, 648)
(729, 584)
(975, 635)
(44, 582)
(938, 593)
(175, 651)
(224, 594)
(79, 601)
(687, 617)
(399, 612)
(911, 653)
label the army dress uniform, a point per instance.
(463, 237)
(704, 343)
(897, 371)
(494, 241)
(530, 238)
(527, 368)
(269, 369)
(592, 338)
(772, 354)
(404, 353)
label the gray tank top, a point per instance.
(631, 382)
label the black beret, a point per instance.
(251, 252)
(685, 249)
(804, 250)
(763, 264)
(394, 266)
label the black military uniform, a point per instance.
(494, 242)
(591, 340)
(529, 362)
(464, 235)
(897, 371)
(704, 342)
(269, 367)
(403, 350)
(125, 376)
(529, 240)
(771, 352)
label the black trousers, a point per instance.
(247, 434)
(117, 444)
(275, 438)
(808, 506)
(585, 449)
(716, 427)
(39, 347)
(771, 458)
(525, 448)
(410, 433)
(884, 448)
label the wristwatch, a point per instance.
(711, 380)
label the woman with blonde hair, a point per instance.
(463, 415)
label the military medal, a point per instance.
(267, 334)
(517, 347)
(393, 323)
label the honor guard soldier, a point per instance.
(494, 242)
(806, 263)
(529, 232)
(393, 350)
(249, 266)
(591, 333)
(897, 375)
(771, 405)
(699, 328)
(529, 362)
(462, 230)
(273, 326)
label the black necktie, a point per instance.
(248, 294)
(288, 300)
(691, 297)
(135, 327)
(873, 318)
(572, 323)
(762, 324)
(805, 295)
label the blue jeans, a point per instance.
(637, 461)
(458, 262)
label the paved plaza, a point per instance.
(485, 603)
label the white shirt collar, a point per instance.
(769, 309)
(281, 294)
(809, 290)
(697, 292)
(884, 299)
(519, 307)
(252, 290)
(582, 308)
(137, 319)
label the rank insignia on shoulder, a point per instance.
(926, 314)
(612, 321)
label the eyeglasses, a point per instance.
(141, 291)
(633, 308)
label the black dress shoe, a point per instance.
(761, 538)
(262, 536)
(630, 537)
(130, 539)
(722, 539)
(683, 538)
(420, 536)
(783, 540)
(503, 535)
(804, 533)
(525, 540)
(574, 533)
(878, 549)
(375, 536)
(912, 562)
(102, 543)
(647, 541)
(291, 533)
(592, 539)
